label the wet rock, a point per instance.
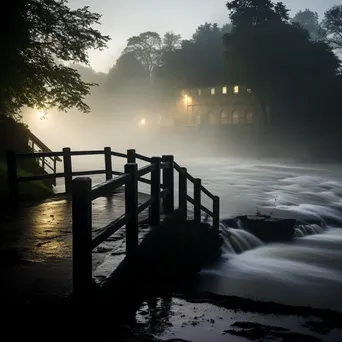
(319, 327)
(269, 229)
(255, 332)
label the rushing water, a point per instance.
(306, 271)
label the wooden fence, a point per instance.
(83, 193)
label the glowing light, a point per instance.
(41, 115)
(236, 89)
(224, 90)
(142, 122)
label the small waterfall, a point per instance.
(308, 229)
(238, 240)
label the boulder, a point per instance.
(269, 229)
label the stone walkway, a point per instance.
(35, 246)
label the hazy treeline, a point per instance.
(292, 64)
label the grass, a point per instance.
(34, 190)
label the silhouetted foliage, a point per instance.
(285, 68)
(256, 12)
(39, 35)
(147, 49)
(333, 24)
(198, 62)
(310, 21)
(171, 42)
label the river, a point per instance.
(306, 271)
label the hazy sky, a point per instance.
(125, 18)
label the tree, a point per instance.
(283, 66)
(127, 85)
(171, 42)
(333, 24)
(207, 33)
(256, 12)
(147, 49)
(310, 21)
(199, 62)
(39, 37)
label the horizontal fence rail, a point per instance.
(161, 172)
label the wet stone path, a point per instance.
(36, 246)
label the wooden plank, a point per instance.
(81, 237)
(168, 184)
(183, 192)
(40, 155)
(145, 181)
(143, 158)
(155, 192)
(109, 186)
(118, 154)
(131, 156)
(89, 173)
(216, 213)
(207, 192)
(207, 211)
(145, 170)
(87, 153)
(108, 163)
(67, 169)
(131, 209)
(197, 200)
(108, 231)
(145, 205)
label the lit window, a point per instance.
(224, 90)
(199, 92)
(212, 91)
(236, 89)
(249, 90)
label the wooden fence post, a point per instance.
(12, 176)
(197, 200)
(108, 163)
(131, 156)
(131, 203)
(67, 169)
(216, 213)
(82, 237)
(169, 185)
(183, 192)
(155, 192)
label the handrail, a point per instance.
(162, 190)
(38, 155)
(146, 170)
(108, 186)
(86, 153)
(143, 158)
(38, 142)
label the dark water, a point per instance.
(307, 271)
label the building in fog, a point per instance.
(232, 105)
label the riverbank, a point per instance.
(28, 191)
(201, 318)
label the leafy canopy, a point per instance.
(40, 37)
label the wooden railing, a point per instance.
(48, 164)
(83, 193)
